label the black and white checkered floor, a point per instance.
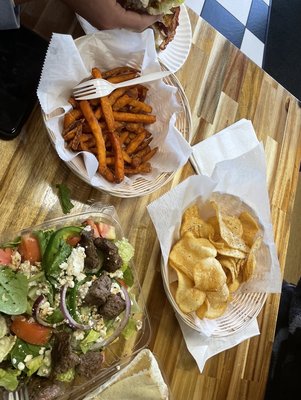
(243, 22)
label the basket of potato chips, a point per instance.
(212, 259)
(218, 257)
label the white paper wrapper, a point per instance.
(244, 177)
(202, 348)
(232, 162)
(67, 63)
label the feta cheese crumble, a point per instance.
(73, 267)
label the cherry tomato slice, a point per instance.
(29, 248)
(30, 331)
(5, 256)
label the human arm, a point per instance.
(109, 14)
(9, 15)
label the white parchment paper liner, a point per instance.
(67, 63)
(232, 162)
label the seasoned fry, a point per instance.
(122, 78)
(140, 106)
(119, 71)
(86, 137)
(111, 159)
(100, 144)
(70, 135)
(73, 125)
(85, 144)
(105, 104)
(133, 92)
(116, 94)
(73, 102)
(74, 144)
(142, 92)
(129, 117)
(98, 111)
(71, 116)
(136, 161)
(144, 144)
(118, 156)
(119, 125)
(143, 152)
(134, 126)
(85, 147)
(94, 102)
(121, 102)
(150, 154)
(123, 136)
(126, 157)
(109, 118)
(126, 99)
(134, 144)
(141, 169)
(108, 114)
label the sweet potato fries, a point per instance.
(113, 127)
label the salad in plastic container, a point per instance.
(71, 313)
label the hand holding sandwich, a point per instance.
(109, 14)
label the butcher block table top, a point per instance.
(222, 86)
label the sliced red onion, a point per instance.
(121, 326)
(70, 320)
(36, 313)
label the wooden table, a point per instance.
(222, 86)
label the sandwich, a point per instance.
(165, 29)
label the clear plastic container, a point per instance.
(120, 352)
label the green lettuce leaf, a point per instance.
(21, 350)
(64, 197)
(67, 376)
(13, 292)
(86, 343)
(8, 379)
(128, 277)
(129, 329)
(34, 364)
(6, 344)
(3, 327)
(43, 238)
(126, 251)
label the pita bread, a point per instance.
(140, 379)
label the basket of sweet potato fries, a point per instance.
(113, 127)
(130, 142)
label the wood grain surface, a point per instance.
(222, 86)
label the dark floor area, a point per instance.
(282, 58)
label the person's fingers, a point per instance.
(109, 14)
(135, 21)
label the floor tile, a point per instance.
(195, 5)
(257, 21)
(239, 8)
(223, 21)
(252, 47)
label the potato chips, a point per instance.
(212, 259)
